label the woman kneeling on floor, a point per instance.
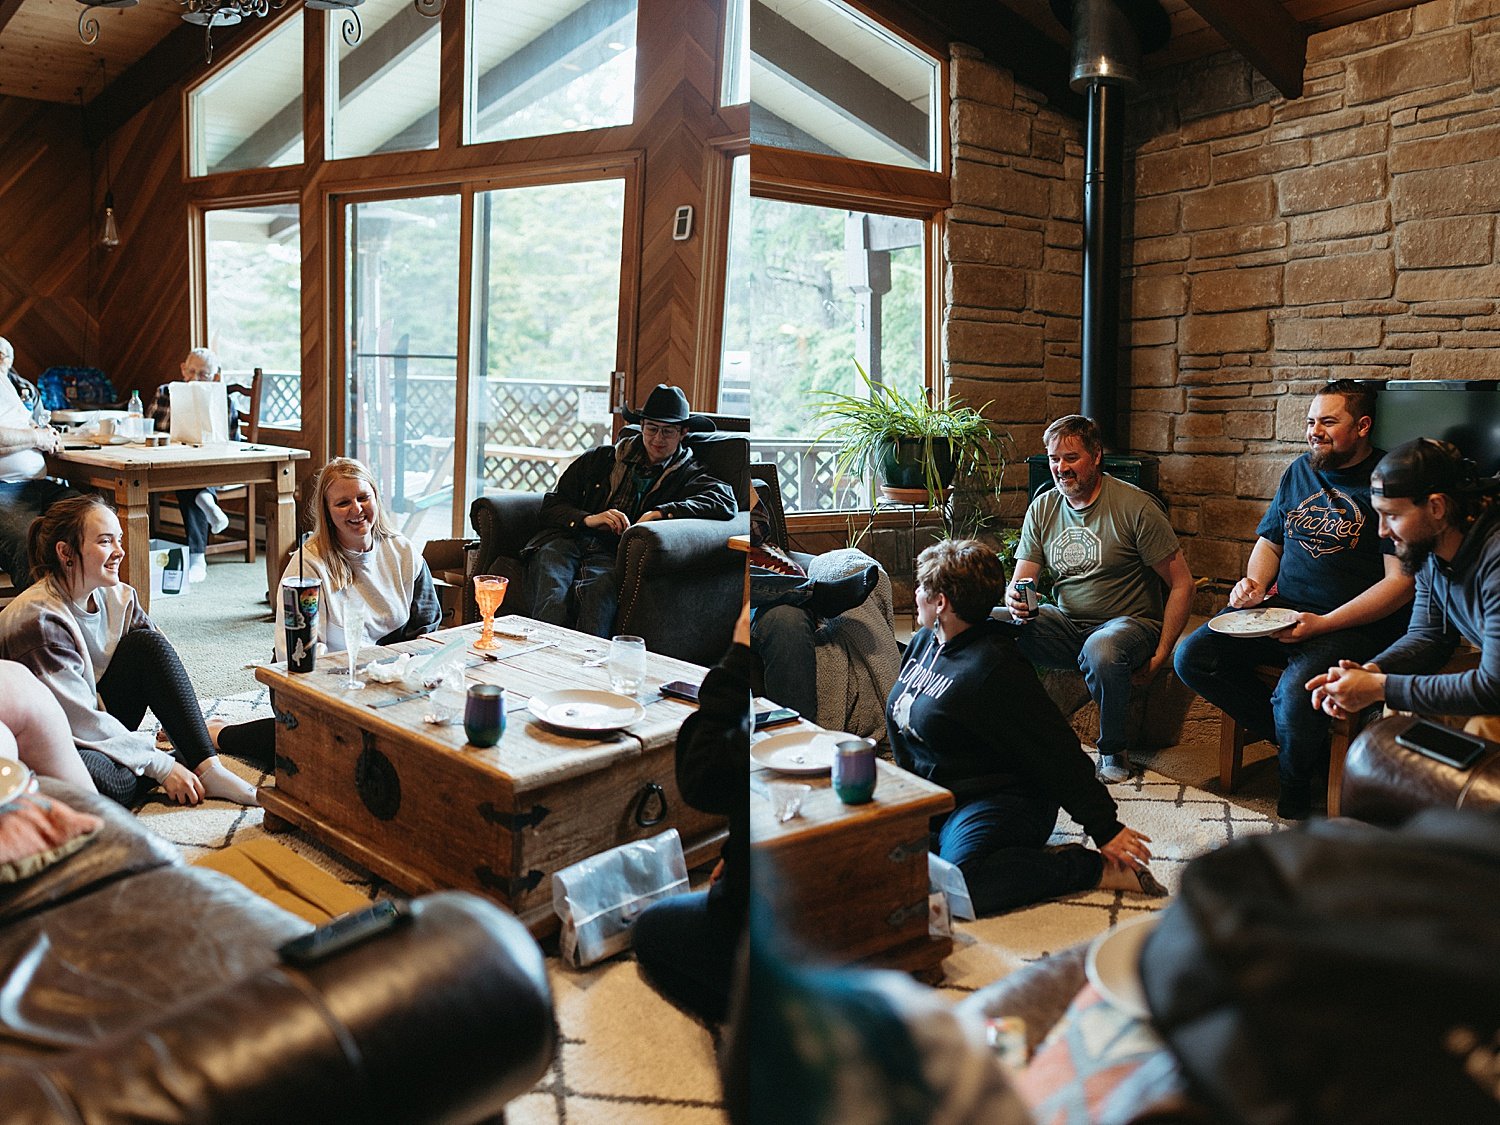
(969, 713)
(84, 634)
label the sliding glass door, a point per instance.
(507, 396)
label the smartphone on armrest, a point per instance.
(1441, 744)
(775, 718)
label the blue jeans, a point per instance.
(579, 570)
(20, 503)
(686, 949)
(194, 520)
(785, 639)
(999, 843)
(1106, 655)
(1222, 670)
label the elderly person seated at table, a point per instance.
(25, 491)
(201, 514)
(570, 564)
(969, 713)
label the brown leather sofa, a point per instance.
(139, 988)
(1388, 784)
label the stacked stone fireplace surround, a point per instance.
(1271, 245)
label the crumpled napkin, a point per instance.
(390, 671)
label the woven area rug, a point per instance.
(624, 1055)
(1183, 822)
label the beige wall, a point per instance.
(1271, 246)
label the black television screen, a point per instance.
(1465, 412)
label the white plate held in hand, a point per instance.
(799, 751)
(15, 780)
(1113, 964)
(1260, 622)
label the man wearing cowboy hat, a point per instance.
(647, 475)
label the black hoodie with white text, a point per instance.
(972, 716)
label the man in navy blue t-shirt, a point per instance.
(1319, 552)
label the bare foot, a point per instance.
(1136, 880)
(214, 727)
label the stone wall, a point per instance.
(1275, 245)
(1012, 293)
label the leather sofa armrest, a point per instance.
(663, 546)
(504, 522)
(122, 848)
(443, 1019)
(1387, 784)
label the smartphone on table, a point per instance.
(775, 718)
(1442, 744)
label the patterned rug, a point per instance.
(1183, 822)
(624, 1055)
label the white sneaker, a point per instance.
(217, 520)
(197, 568)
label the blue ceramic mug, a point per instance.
(484, 714)
(854, 770)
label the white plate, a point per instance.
(15, 779)
(580, 710)
(117, 439)
(1113, 964)
(799, 751)
(1259, 622)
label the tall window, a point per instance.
(548, 330)
(253, 270)
(401, 309)
(734, 77)
(248, 113)
(383, 90)
(549, 66)
(827, 289)
(827, 79)
(734, 360)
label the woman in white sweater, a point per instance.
(357, 555)
(84, 634)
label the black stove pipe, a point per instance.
(1103, 201)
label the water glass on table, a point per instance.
(627, 664)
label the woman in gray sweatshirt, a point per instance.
(82, 631)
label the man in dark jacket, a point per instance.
(650, 475)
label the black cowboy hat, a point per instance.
(668, 404)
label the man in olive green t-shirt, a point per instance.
(1103, 539)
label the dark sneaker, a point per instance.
(1114, 768)
(1295, 803)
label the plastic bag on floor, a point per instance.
(599, 898)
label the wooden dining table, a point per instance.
(131, 473)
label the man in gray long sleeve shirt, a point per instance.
(1446, 527)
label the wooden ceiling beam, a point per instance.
(178, 56)
(1261, 30)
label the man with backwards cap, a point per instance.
(1446, 527)
(651, 475)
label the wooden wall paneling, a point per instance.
(322, 312)
(453, 77)
(44, 257)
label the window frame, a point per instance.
(821, 180)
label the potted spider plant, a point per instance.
(911, 449)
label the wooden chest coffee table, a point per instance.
(849, 882)
(420, 807)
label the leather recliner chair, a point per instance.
(139, 988)
(680, 583)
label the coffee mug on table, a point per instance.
(854, 770)
(484, 714)
(106, 428)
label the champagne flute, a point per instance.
(355, 615)
(489, 592)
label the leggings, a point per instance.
(145, 671)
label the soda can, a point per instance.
(299, 617)
(1026, 591)
(854, 770)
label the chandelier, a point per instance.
(226, 13)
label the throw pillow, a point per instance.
(1097, 1065)
(36, 832)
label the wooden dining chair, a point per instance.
(249, 422)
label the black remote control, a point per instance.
(341, 933)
